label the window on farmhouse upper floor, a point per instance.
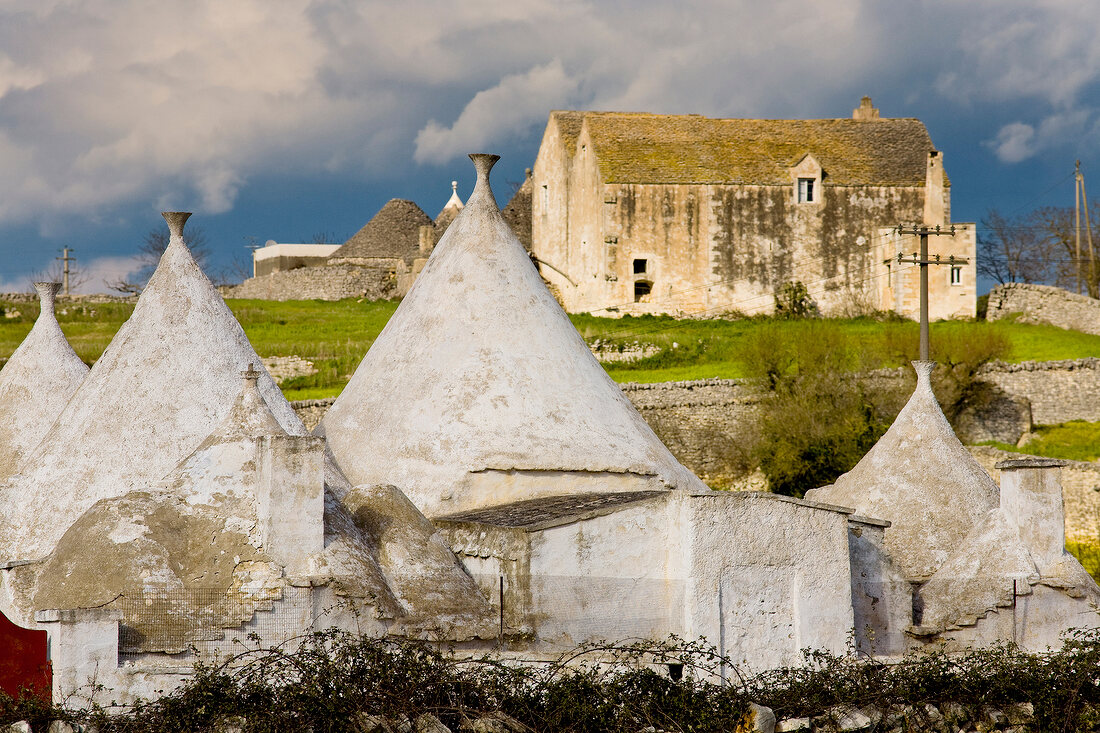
(806, 191)
(639, 267)
(956, 275)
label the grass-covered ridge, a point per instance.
(336, 335)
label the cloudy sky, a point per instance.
(282, 119)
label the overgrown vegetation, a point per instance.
(333, 680)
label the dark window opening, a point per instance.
(639, 267)
(642, 289)
(805, 190)
(675, 672)
(956, 275)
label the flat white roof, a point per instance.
(275, 249)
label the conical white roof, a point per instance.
(165, 382)
(480, 391)
(35, 384)
(920, 478)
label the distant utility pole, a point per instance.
(1077, 225)
(922, 259)
(66, 259)
(1082, 198)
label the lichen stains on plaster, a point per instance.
(486, 371)
(35, 383)
(919, 477)
(167, 379)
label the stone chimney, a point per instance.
(1031, 497)
(290, 499)
(427, 239)
(865, 111)
(933, 190)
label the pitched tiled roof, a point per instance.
(569, 125)
(681, 149)
(518, 213)
(393, 232)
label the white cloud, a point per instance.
(110, 103)
(1014, 142)
(508, 108)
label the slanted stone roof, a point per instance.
(534, 514)
(394, 232)
(923, 480)
(35, 384)
(684, 149)
(167, 379)
(518, 213)
(569, 127)
(479, 390)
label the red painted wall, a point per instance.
(23, 660)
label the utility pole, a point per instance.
(1077, 216)
(66, 259)
(921, 259)
(1088, 233)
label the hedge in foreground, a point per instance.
(333, 681)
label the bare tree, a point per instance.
(1058, 225)
(150, 251)
(1015, 250)
(325, 237)
(55, 272)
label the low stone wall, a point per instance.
(1044, 304)
(328, 282)
(706, 424)
(1059, 391)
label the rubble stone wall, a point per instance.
(328, 282)
(1059, 391)
(1031, 303)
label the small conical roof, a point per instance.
(450, 210)
(39, 378)
(480, 391)
(920, 478)
(167, 379)
(394, 232)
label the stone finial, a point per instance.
(176, 220)
(924, 373)
(454, 187)
(250, 374)
(527, 173)
(47, 291)
(483, 163)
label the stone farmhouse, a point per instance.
(643, 213)
(482, 483)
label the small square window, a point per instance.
(805, 190)
(639, 267)
(956, 275)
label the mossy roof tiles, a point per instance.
(686, 149)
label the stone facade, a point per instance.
(684, 214)
(1030, 303)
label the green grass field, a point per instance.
(335, 336)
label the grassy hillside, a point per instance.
(336, 335)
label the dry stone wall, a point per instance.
(707, 424)
(1031, 303)
(328, 282)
